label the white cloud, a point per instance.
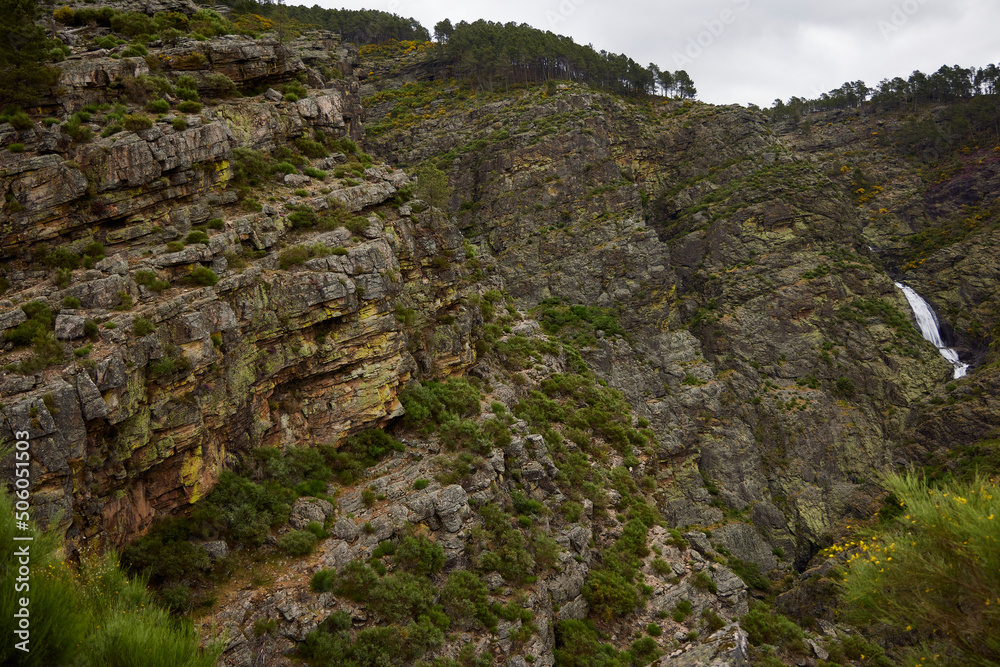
(765, 48)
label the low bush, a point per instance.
(303, 216)
(159, 105)
(202, 275)
(97, 617)
(323, 581)
(358, 224)
(903, 572)
(578, 644)
(142, 327)
(297, 542)
(196, 236)
(149, 279)
(765, 626)
(431, 404)
(136, 122)
(400, 597)
(134, 51)
(420, 555)
(361, 451)
(465, 599)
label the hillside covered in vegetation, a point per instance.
(334, 345)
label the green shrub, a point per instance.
(464, 434)
(16, 147)
(705, 583)
(176, 598)
(38, 325)
(249, 166)
(578, 644)
(285, 168)
(844, 387)
(297, 542)
(358, 224)
(713, 621)
(175, 246)
(610, 594)
(400, 597)
(355, 581)
(189, 106)
(179, 123)
(750, 573)
(465, 599)
(18, 118)
(293, 256)
(303, 216)
(186, 87)
(221, 85)
(142, 327)
(361, 451)
(310, 148)
(159, 105)
(149, 279)
(77, 131)
(134, 51)
(765, 626)
(136, 122)
(420, 555)
(433, 403)
(202, 275)
(421, 484)
(312, 172)
(196, 236)
(903, 573)
(323, 581)
(132, 24)
(242, 510)
(70, 302)
(107, 42)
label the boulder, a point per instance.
(307, 509)
(69, 326)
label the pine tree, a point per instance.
(443, 30)
(23, 75)
(685, 85)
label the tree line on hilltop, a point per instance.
(361, 26)
(503, 54)
(948, 84)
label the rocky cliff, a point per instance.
(680, 320)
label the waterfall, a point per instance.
(927, 322)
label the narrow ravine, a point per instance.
(927, 322)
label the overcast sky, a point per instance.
(741, 51)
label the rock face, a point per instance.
(760, 367)
(243, 277)
(142, 425)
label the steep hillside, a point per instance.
(762, 338)
(359, 361)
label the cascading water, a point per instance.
(927, 322)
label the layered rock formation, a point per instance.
(748, 316)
